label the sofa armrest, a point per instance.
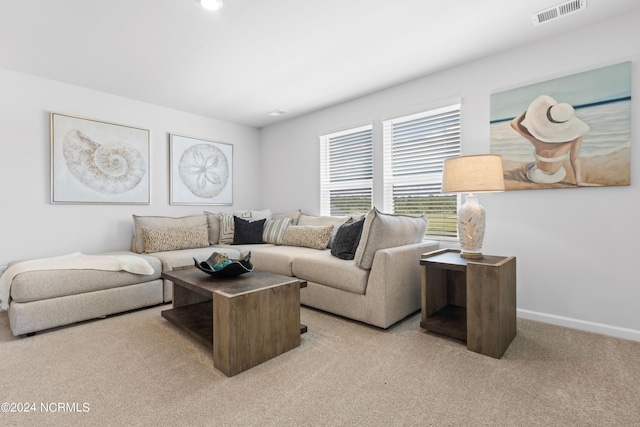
(393, 289)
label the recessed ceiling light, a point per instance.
(276, 113)
(211, 4)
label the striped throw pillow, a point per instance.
(274, 230)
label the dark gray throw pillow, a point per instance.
(247, 232)
(347, 238)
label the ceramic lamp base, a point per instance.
(471, 228)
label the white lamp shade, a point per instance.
(473, 174)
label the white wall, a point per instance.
(30, 226)
(576, 249)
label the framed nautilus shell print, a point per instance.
(201, 171)
(98, 162)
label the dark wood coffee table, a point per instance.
(245, 320)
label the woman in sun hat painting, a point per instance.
(556, 133)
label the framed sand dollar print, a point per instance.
(93, 161)
(200, 171)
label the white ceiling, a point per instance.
(255, 56)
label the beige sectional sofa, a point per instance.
(379, 286)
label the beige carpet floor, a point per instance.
(136, 369)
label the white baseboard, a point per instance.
(583, 325)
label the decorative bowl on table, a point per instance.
(219, 265)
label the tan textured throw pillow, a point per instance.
(336, 221)
(174, 238)
(161, 222)
(383, 231)
(308, 236)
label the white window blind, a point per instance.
(415, 148)
(346, 171)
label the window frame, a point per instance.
(327, 186)
(445, 221)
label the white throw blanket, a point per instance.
(75, 261)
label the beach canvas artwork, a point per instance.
(568, 132)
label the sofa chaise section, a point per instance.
(44, 299)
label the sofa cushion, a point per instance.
(160, 222)
(175, 238)
(45, 284)
(274, 230)
(322, 267)
(247, 232)
(263, 214)
(276, 259)
(347, 239)
(242, 250)
(294, 215)
(336, 221)
(315, 237)
(383, 231)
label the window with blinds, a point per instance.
(415, 148)
(346, 171)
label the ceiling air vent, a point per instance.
(557, 11)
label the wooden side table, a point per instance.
(473, 300)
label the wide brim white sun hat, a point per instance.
(551, 122)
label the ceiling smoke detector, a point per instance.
(557, 11)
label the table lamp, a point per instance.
(472, 174)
